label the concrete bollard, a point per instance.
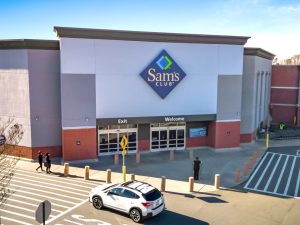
(66, 169)
(116, 159)
(171, 154)
(191, 184)
(163, 184)
(87, 173)
(108, 176)
(191, 154)
(132, 177)
(217, 181)
(138, 157)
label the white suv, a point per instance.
(138, 199)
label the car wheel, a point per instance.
(135, 215)
(97, 202)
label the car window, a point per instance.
(152, 195)
(129, 194)
(116, 191)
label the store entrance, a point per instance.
(109, 140)
(167, 137)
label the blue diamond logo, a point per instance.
(163, 74)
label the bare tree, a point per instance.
(9, 156)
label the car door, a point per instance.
(112, 198)
(128, 200)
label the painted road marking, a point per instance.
(256, 170)
(278, 175)
(272, 174)
(14, 220)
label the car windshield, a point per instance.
(152, 195)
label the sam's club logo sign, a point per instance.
(163, 74)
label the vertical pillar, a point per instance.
(163, 184)
(87, 173)
(66, 169)
(258, 83)
(191, 184)
(108, 176)
(217, 181)
(262, 98)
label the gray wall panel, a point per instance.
(78, 100)
(144, 131)
(44, 82)
(229, 97)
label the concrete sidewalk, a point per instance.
(154, 165)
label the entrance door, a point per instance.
(109, 140)
(168, 138)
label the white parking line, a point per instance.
(44, 196)
(272, 174)
(26, 203)
(48, 192)
(281, 174)
(47, 187)
(69, 221)
(264, 172)
(290, 177)
(273, 193)
(18, 214)
(14, 220)
(297, 185)
(38, 200)
(61, 178)
(48, 184)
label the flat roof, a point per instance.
(29, 44)
(259, 52)
(88, 33)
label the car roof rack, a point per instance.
(139, 186)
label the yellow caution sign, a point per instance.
(123, 144)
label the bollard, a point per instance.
(217, 181)
(163, 184)
(116, 159)
(191, 154)
(108, 176)
(191, 184)
(138, 157)
(237, 175)
(132, 177)
(171, 154)
(267, 140)
(66, 169)
(87, 173)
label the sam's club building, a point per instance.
(78, 96)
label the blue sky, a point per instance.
(272, 24)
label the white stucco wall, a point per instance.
(121, 92)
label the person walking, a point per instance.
(40, 161)
(48, 163)
(197, 164)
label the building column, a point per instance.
(262, 98)
(257, 105)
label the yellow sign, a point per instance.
(123, 144)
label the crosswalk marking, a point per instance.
(45, 187)
(273, 171)
(278, 175)
(290, 177)
(281, 174)
(14, 220)
(17, 214)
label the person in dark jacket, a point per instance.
(48, 163)
(197, 164)
(40, 161)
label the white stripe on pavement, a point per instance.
(256, 170)
(18, 214)
(281, 174)
(44, 196)
(264, 172)
(55, 185)
(48, 192)
(69, 221)
(47, 187)
(64, 178)
(290, 177)
(39, 200)
(269, 192)
(14, 220)
(272, 174)
(297, 185)
(26, 203)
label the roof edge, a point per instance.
(29, 44)
(148, 36)
(259, 52)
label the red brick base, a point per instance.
(143, 145)
(196, 142)
(31, 152)
(298, 116)
(246, 138)
(79, 144)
